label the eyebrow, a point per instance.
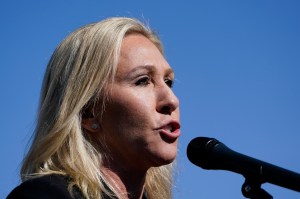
(150, 68)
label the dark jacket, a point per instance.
(46, 187)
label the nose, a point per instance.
(167, 100)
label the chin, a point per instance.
(162, 154)
(165, 159)
(163, 163)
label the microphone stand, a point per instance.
(252, 189)
(285, 178)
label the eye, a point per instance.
(169, 82)
(143, 81)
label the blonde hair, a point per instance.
(75, 80)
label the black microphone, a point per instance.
(209, 153)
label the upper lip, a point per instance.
(172, 125)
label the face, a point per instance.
(141, 120)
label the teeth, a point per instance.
(169, 128)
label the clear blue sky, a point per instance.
(237, 66)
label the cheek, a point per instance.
(126, 124)
(128, 114)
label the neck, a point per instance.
(129, 183)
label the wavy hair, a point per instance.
(75, 81)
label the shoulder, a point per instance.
(46, 187)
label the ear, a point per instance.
(90, 124)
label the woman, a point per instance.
(108, 122)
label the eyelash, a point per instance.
(169, 82)
(144, 81)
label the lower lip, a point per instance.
(173, 135)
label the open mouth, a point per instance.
(170, 132)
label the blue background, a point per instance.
(237, 66)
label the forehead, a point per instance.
(134, 39)
(138, 50)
